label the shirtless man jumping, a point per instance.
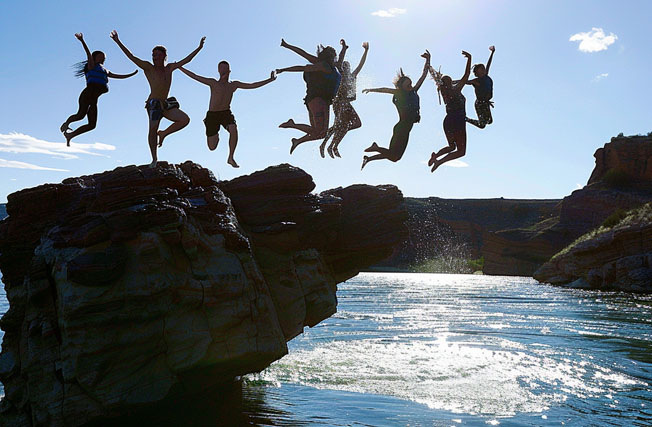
(219, 109)
(158, 105)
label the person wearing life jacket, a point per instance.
(455, 120)
(97, 83)
(346, 118)
(484, 87)
(322, 83)
(406, 99)
(159, 104)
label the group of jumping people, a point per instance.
(329, 81)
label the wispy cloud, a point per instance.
(19, 143)
(600, 77)
(594, 40)
(22, 165)
(456, 164)
(389, 13)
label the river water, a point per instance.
(449, 350)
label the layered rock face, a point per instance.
(137, 285)
(619, 258)
(522, 251)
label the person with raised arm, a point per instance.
(346, 118)
(322, 82)
(406, 99)
(158, 104)
(97, 83)
(219, 107)
(484, 91)
(455, 120)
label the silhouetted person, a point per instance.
(346, 117)
(322, 82)
(97, 83)
(406, 99)
(158, 105)
(484, 91)
(219, 108)
(454, 122)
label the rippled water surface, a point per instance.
(426, 349)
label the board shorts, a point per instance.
(483, 109)
(156, 107)
(215, 119)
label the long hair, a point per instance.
(400, 78)
(81, 68)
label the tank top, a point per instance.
(407, 104)
(484, 88)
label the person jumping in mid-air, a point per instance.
(322, 82)
(454, 122)
(346, 117)
(158, 105)
(406, 99)
(219, 108)
(484, 91)
(97, 83)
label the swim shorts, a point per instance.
(156, 107)
(215, 119)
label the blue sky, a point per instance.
(557, 100)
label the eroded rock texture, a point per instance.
(139, 284)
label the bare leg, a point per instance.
(180, 120)
(212, 141)
(319, 112)
(459, 139)
(350, 121)
(152, 139)
(92, 122)
(373, 147)
(233, 142)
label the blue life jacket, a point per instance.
(98, 75)
(484, 88)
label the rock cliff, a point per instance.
(137, 285)
(619, 257)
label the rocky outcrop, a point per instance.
(621, 179)
(617, 258)
(138, 285)
(630, 155)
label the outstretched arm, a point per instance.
(492, 49)
(240, 85)
(299, 68)
(365, 45)
(200, 79)
(310, 58)
(380, 90)
(121, 76)
(191, 55)
(426, 67)
(467, 72)
(340, 59)
(89, 57)
(139, 62)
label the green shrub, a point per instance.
(476, 264)
(615, 218)
(617, 178)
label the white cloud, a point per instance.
(600, 77)
(389, 13)
(21, 165)
(594, 40)
(19, 143)
(456, 164)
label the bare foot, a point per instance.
(161, 136)
(287, 124)
(68, 138)
(433, 159)
(365, 160)
(372, 147)
(330, 151)
(64, 127)
(321, 150)
(295, 144)
(435, 165)
(233, 163)
(153, 164)
(336, 152)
